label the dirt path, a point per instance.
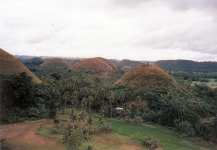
(22, 136)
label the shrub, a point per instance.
(73, 139)
(138, 120)
(185, 127)
(89, 148)
(151, 143)
(103, 127)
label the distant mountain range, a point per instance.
(188, 66)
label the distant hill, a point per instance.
(24, 57)
(95, 65)
(11, 65)
(126, 64)
(146, 76)
(188, 66)
(54, 62)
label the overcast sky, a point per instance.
(133, 29)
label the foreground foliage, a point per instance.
(190, 110)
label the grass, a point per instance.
(112, 141)
(125, 134)
(100, 141)
(49, 132)
(168, 139)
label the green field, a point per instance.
(168, 139)
(129, 134)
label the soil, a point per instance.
(23, 136)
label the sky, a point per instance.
(120, 29)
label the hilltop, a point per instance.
(146, 76)
(96, 65)
(11, 65)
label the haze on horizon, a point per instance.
(132, 29)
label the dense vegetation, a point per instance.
(191, 110)
(21, 99)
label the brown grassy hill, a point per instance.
(146, 76)
(96, 65)
(11, 65)
(125, 64)
(57, 62)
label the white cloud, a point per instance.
(152, 30)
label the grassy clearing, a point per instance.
(100, 141)
(113, 142)
(130, 136)
(49, 132)
(168, 139)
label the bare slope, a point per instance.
(11, 65)
(146, 76)
(96, 65)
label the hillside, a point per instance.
(57, 62)
(126, 64)
(188, 66)
(146, 76)
(95, 65)
(11, 65)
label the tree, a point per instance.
(23, 91)
(56, 76)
